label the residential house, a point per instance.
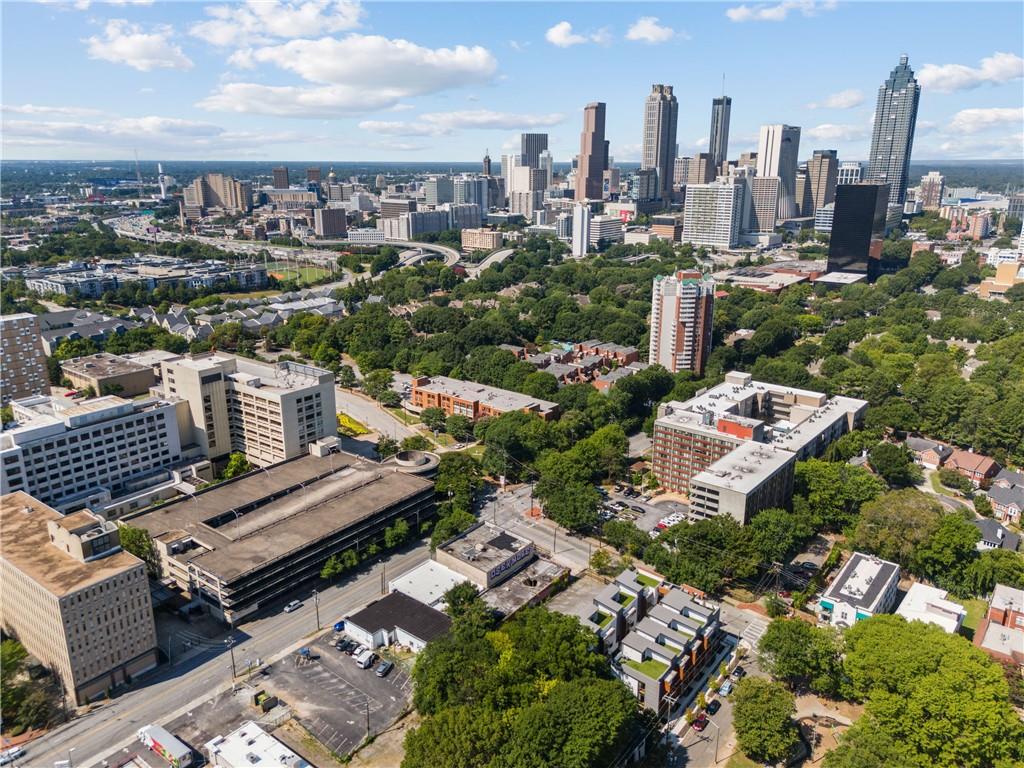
(620, 605)
(1007, 496)
(866, 585)
(1001, 632)
(929, 604)
(995, 536)
(974, 466)
(928, 453)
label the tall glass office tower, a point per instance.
(893, 136)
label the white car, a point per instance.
(294, 605)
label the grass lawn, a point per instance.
(739, 760)
(976, 610)
(647, 581)
(239, 296)
(303, 274)
(403, 416)
(652, 668)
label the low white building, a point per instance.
(428, 583)
(865, 586)
(929, 604)
(249, 745)
(397, 619)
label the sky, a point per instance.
(342, 80)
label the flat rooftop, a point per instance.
(500, 399)
(259, 518)
(862, 580)
(103, 365)
(427, 582)
(485, 546)
(25, 544)
(251, 745)
(840, 278)
(279, 377)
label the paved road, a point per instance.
(365, 410)
(166, 693)
(639, 444)
(450, 255)
(508, 510)
(495, 258)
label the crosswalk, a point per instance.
(754, 630)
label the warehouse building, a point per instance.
(248, 541)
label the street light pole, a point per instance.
(231, 647)
(316, 606)
(70, 763)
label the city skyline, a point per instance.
(389, 82)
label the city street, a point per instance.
(367, 412)
(509, 510)
(167, 692)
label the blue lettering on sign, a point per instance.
(522, 554)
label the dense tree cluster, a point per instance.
(528, 693)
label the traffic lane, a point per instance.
(367, 412)
(167, 691)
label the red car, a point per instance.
(701, 722)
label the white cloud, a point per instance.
(352, 75)
(84, 5)
(563, 36)
(627, 153)
(847, 99)
(779, 11)
(151, 134)
(978, 147)
(647, 29)
(262, 21)
(36, 109)
(701, 143)
(125, 43)
(834, 132)
(977, 120)
(994, 69)
(518, 46)
(447, 123)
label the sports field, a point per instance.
(301, 274)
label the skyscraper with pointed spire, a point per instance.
(893, 136)
(487, 162)
(661, 114)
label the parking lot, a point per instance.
(334, 699)
(645, 515)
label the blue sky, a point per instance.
(339, 80)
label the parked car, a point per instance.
(294, 605)
(10, 755)
(638, 510)
(807, 565)
(345, 646)
(739, 673)
(701, 722)
(617, 505)
(365, 659)
(713, 706)
(359, 650)
(630, 493)
(459, 446)
(384, 668)
(726, 688)
(645, 498)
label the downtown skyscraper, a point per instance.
(893, 136)
(777, 152)
(661, 114)
(718, 146)
(823, 172)
(531, 146)
(593, 157)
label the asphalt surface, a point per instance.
(166, 693)
(367, 412)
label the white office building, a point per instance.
(580, 230)
(930, 605)
(778, 153)
(865, 586)
(712, 214)
(823, 218)
(71, 454)
(605, 229)
(850, 173)
(248, 746)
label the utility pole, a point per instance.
(367, 719)
(231, 647)
(316, 606)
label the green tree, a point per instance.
(346, 377)
(947, 554)
(415, 443)
(6, 415)
(458, 599)
(832, 493)
(802, 656)
(138, 542)
(237, 465)
(459, 427)
(338, 564)
(763, 718)
(396, 534)
(895, 524)
(386, 447)
(378, 382)
(434, 419)
(600, 561)
(895, 464)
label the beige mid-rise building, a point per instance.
(73, 597)
(268, 412)
(107, 374)
(481, 239)
(22, 361)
